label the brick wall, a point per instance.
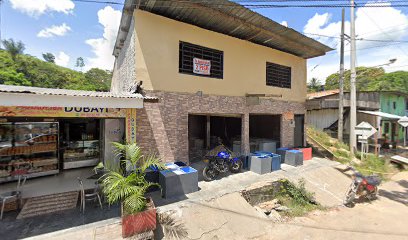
(162, 127)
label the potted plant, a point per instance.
(125, 182)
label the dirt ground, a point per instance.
(385, 218)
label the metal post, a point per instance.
(341, 82)
(353, 108)
(405, 136)
(1, 1)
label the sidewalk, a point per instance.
(204, 210)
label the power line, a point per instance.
(360, 39)
(275, 5)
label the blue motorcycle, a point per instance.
(221, 163)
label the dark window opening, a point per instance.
(278, 75)
(264, 132)
(394, 105)
(188, 51)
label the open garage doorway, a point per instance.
(264, 132)
(205, 132)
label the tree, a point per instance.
(394, 81)
(315, 85)
(365, 75)
(99, 79)
(49, 57)
(80, 63)
(13, 48)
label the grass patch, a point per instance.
(296, 198)
(371, 164)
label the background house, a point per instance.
(381, 109)
(393, 103)
(218, 74)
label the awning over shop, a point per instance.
(382, 114)
(48, 97)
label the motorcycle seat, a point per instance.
(373, 180)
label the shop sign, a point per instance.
(202, 66)
(83, 112)
(131, 125)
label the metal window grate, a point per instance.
(188, 51)
(278, 75)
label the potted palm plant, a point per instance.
(125, 182)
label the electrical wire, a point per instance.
(277, 4)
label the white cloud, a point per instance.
(62, 59)
(36, 8)
(103, 47)
(284, 23)
(54, 30)
(371, 23)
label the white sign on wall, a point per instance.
(202, 66)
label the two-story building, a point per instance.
(393, 102)
(219, 70)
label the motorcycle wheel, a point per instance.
(350, 196)
(235, 167)
(208, 174)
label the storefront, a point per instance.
(44, 140)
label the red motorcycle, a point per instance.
(362, 187)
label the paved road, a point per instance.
(385, 218)
(230, 217)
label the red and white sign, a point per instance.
(201, 66)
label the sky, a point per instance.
(70, 29)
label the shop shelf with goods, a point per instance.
(29, 149)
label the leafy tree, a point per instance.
(315, 85)
(99, 78)
(394, 81)
(364, 76)
(13, 48)
(49, 57)
(80, 63)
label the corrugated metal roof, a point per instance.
(228, 18)
(322, 94)
(66, 92)
(382, 114)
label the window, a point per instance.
(386, 127)
(187, 53)
(394, 105)
(278, 75)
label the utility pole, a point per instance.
(341, 81)
(1, 1)
(353, 107)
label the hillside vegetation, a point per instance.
(368, 79)
(26, 70)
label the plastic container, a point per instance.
(307, 153)
(282, 153)
(294, 157)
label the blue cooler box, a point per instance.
(294, 157)
(276, 159)
(178, 181)
(282, 153)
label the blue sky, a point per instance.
(78, 29)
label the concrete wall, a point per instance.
(124, 71)
(162, 127)
(157, 61)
